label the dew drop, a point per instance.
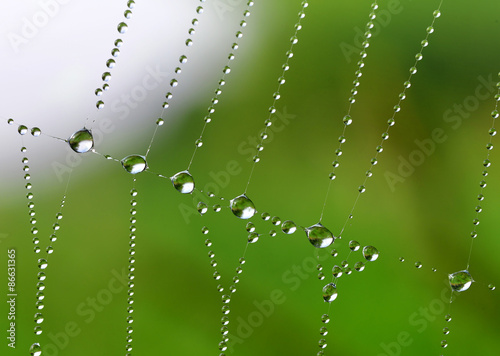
(323, 331)
(250, 227)
(265, 216)
(183, 182)
(325, 318)
(359, 266)
(134, 164)
(370, 253)
(354, 245)
(319, 236)
(418, 264)
(329, 292)
(447, 318)
(23, 130)
(460, 281)
(337, 271)
(122, 27)
(242, 207)
(253, 237)
(81, 141)
(42, 263)
(334, 253)
(35, 131)
(38, 318)
(202, 208)
(288, 227)
(444, 343)
(446, 331)
(491, 286)
(35, 349)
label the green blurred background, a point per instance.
(390, 308)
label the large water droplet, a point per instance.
(134, 164)
(81, 141)
(319, 236)
(242, 207)
(183, 182)
(35, 349)
(330, 292)
(370, 253)
(460, 281)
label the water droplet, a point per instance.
(38, 330)
(35, 131)
(430, 30)
(250, 227)
(272, 233)
(122, 27)
(81, 141)
(189, 42)
(242, 207)
(183, 182)
(217, 208)
(202, 208)
(444, 343)
(436, 13)
(204, 230)
(460, 281)
(319, 236)
(354, 245)
(42, 263)
(10, 121)
(198, 142)
(35, 349)
(288, 227)
(323, 331)
(370, 253)
(23, 130)
(337, 271)
(329, 292)
(276, 221)
(491, 286)
(359, 266)
(134, 164)
(265, 216)
(446, 331)
(447, 318)
(347, 120)
(253, 237)
(38, 318)
(334, 253)
(418, 264)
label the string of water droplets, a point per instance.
(462, 280)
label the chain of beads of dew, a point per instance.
(174, 82)
(131, 268)
(461, 281)
(397, 108)
(225, 298)
(35, 348)
(225, 71)
(122, 27)
(347, 120)
(276, 96)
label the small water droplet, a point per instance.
(202, 208)
(35, 131)
(370, 253)
(460, 281)
(288, 227)
(418, 264)
(38, 318)
(35, 349)
(491, 286)
(134, 164)
(242, 207)
(359, 266)
(436, 13)
(319, 236)
(81, 141)
(42, 263)
(23, 130)
(354, 245)
(447, 318)
(122, 27)
(334, 253)
(446, 331)
(250, 227)
(337, 271)
(323, 331)
(265, 216)
(329, 292)
(253, 237)
(444, 343)
(183, 182)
